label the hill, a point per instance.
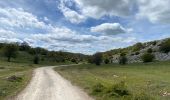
(159, 48)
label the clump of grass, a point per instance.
(115, 90)
(98, 88)
(142, 96)
(119, 89)
(2, 92)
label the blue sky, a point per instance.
(83, 26)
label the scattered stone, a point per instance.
(115, 76)
(166, 94)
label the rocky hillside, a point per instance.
(160, 49)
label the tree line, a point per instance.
(12, 50)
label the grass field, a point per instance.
(116, 82)
(7, 69)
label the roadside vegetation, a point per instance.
(140, 81)
(13, 78)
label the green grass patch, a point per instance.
(13, 78)
(148, 81)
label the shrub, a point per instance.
(122, 59)
(138, 46)
(150, 50)
(106, 61)
(118, 89)
(73, 60)
(98, 88)
(137, 53)
(36, 59)
(90, 60)
(147, 57)
(154, 43)
(165, 46)
(97, 58)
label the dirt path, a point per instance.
(46, 84)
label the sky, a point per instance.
(83, 26)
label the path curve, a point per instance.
(47, 84)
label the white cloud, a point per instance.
(157, 11)
(7, 34)
(110, 29)
(12, 17)
(71, 15)
(100, 8)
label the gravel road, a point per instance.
(47, 84)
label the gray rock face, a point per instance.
(162, 56)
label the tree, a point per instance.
(106, 61)
(122, 59)
(36, 59)
(147, 57)
(97, 58)
(10, 51)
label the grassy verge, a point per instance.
(116, 82)
(10, 86)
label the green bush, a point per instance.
(137, 53)
(97, 58)
(106, 61)
(122, 59)
(36, 60)
(138, 47)
(150, 50)
(147, 57)
(165, 46)
(73, 60)
(98, 88)
(118, 89)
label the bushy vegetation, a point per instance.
(119, 89)
(106, 61)
(123, 59)
(150, 50)
(147, 57)
(165, 46)
(36, 59)
(137, 47)
(97, 58)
